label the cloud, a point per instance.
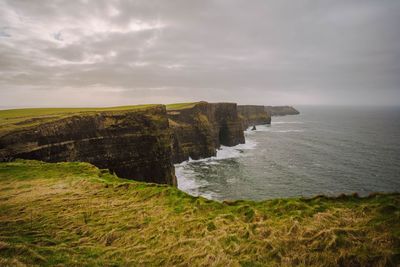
(263, 52)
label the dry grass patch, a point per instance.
(74, 214)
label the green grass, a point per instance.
(179, 106)
(77, 215)
(12, 119)
(15, 119)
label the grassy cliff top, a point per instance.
(178, 106)
(12, 119)
(77, 215)
(15, 119)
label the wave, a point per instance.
(185, 183)
(187, 180)
(224, 152)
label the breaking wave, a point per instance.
(186, 176)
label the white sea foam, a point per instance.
(248, 132)
(187, 181)
(224, 152)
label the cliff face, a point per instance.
(201, 129)
(140, 144)
(134, 144)
(253, 115)
(281, 110)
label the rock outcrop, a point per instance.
(253, 115)
(199, 130)
(281, 110)
(134, 144)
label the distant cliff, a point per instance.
(281, 110)
(134, 144)
(253, 115)
(198, 130)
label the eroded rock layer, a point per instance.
(201, 129)
(253, 115)
(135, 144)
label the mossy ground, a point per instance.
(77, 215)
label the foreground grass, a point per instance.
(75, 214)
(12, 119)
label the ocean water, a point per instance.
(324, 150)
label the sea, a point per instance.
(324, 150)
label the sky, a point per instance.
(267, 52)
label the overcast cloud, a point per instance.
(92, 53)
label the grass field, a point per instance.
(12, 119)
(77, 215)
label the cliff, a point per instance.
(73, 214)
(200, 128)
(136, 142)
(132, 142)
(253, 115)
(281, 110)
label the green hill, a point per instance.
(77, 215)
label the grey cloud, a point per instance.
(264, 52)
